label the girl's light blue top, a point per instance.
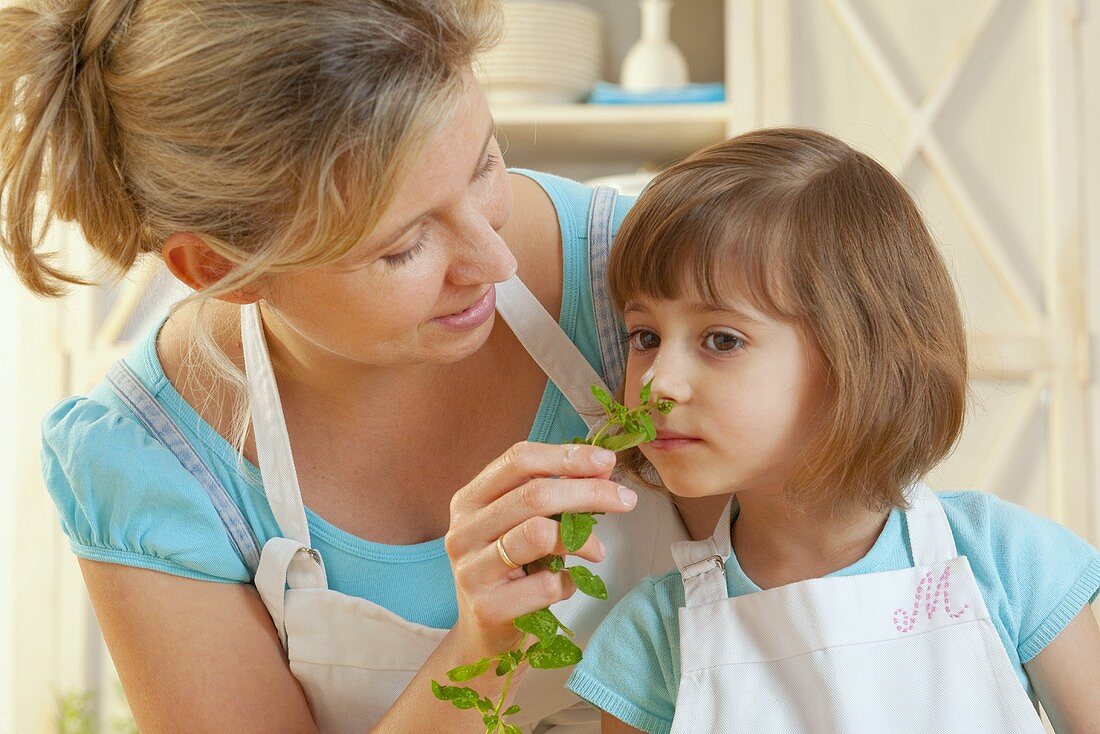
(1034, 575)
(124, 498)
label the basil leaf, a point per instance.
(466, 672)
(575, 529)
(559, 652)
(463, 698)
(605, 399)
(541, 623)
(588, 582)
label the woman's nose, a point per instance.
(480, 253)
(669, 377)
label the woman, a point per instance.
(323, 174)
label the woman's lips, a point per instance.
(471, 317)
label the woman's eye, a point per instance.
(404, 256)
(720, 341)
(642, 339)
(485, 170)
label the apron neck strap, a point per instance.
(930, 534)
(551, 349)
(702, 563)
(272, 441)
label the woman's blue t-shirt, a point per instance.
(1034, 575)
(124, 498)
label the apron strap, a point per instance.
(609, 327)
(287, 563)
(157, 421)
(702, 563)
(930, 535)
(272, 441)
(551, 349)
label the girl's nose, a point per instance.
(669, 378)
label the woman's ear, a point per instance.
(197, 265)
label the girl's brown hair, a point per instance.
(276, 130)
(820, 235)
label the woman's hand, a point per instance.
(512, 499)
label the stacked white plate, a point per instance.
(552, 51)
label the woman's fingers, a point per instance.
(525, 461)
(499, 605)
(544, 497)
(530, 541)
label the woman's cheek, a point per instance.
(498, 208)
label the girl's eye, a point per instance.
(642, 339)
(404, 256)
(485, 170)
(721, 341)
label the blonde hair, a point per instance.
(820, 235)
(277, 131)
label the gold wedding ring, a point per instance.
(504, 554)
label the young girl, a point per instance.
(782, 289)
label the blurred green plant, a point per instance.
(76, 715)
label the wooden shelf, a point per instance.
(621, 114)
(538, 136)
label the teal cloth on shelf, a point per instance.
(606, 93)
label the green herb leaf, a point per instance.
(466, 672)
(647, 390)
(463, 698)
(511, 710)
(559, 652)
(605, 399)
(575, 529)
(512, 729)
(490, 721)
(541, 623)
(621, 441)
(555, 564)
(588, 582)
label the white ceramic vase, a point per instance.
(654, 62)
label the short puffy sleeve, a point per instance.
(631, 666)
(122, 497)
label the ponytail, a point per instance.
(57, 134)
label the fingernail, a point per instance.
(603, 457)
(628, 496)
(603, 548)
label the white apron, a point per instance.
(352, 657)
(912, 650)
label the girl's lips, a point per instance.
(472, 317)
(672, 442)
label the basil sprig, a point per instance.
(622, 429)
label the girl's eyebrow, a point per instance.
(700, 307)
(727, 308)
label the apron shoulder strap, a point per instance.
(272, 440)
(551, 348)
(544, 339)
(702, 563)
(601, 220)
(930, 535)
(157, 421)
